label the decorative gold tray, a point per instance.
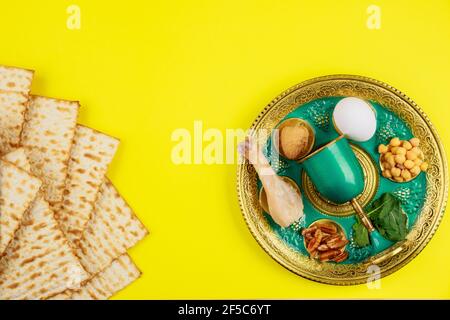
(428, 220)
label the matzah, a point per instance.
(19, 159)
(17, 191)
(12, 115)
(112, 230)
(90, 156)
(15, 84)
(15, 79)
(39, 262)
(114, 278)
(47, 137)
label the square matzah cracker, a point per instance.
(15, 84)
(114, 278)
(91, 153)
(47, 137)
(15, 79)
(18, 189)
(39, 262)
(112, 230)
(12, 115)
(18, 158)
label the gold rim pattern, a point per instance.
(428, 221)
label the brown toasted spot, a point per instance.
(92, 184)
(39, 226)
(35, 275)
(93, 157)
(13, 286)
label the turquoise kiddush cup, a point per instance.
(335, 171)
(337, 175)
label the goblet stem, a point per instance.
(362, 215)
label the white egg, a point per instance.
(355, 118)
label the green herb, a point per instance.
(360, 234)
(387, 216)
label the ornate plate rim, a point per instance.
(390, 261)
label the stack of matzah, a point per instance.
(64, 228)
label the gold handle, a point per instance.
(386, 256)
(362, 215)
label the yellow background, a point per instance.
(142, 69)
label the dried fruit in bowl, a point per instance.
(325, 241)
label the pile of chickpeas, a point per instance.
(401, 160)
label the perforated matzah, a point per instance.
(15, 84)
(17, 190)
(15, 79)
(12, 115)
(47, 137)
(112, 230)
(90, 156)
(114, 278)
(39, 262)
(18, 158)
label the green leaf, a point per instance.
(388, 217)
(360, 234)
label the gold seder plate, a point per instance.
(391, 259)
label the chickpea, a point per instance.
(386, 174)
(424, 166)
(416, 150)
(395, 142)
(415, 171)
(396, 172)
(408, 164)
(390, 160)
(407, 145)
(400, 158)
(400, 150)
(411, 155)
(406, 174)
(414, 142)
(382, 148)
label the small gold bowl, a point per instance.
(341, 231)
(294, 122)
(263, 196)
